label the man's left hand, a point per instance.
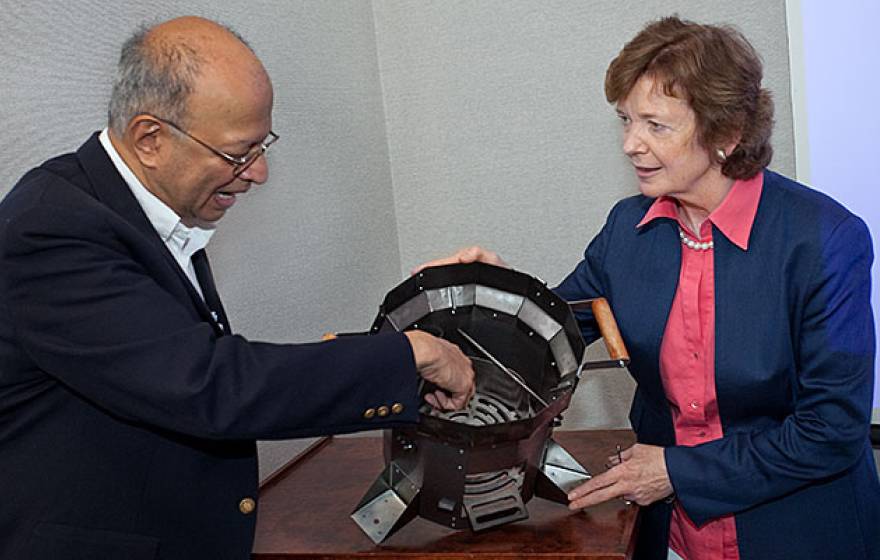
(639, 477)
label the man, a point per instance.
(128, 412)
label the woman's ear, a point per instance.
(723, 151)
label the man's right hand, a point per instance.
(443, 364)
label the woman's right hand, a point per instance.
(471, 254)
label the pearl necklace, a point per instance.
(695, 245)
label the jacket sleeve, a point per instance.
(827, 431)
(588, 279)
(86, 311)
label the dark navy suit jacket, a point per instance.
(127, 415)
(794, 369)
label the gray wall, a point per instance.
(408, 129)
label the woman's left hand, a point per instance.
(466, 255)
(640, 477)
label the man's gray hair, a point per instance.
(155, 78)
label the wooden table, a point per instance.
(304, 512)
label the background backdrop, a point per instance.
(408, 130)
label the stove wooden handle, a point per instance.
(607, 326)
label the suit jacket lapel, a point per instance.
(209, 290)
(110, 188)
(744, 293)
(658, 255)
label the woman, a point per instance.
(743, 298)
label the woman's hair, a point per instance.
(714, 69)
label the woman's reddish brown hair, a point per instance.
(714, 69)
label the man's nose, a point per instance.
(257, 172)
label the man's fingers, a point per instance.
(438, 400)
(432, 400)
(459, 401)
(444, 400)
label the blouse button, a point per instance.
(695, 405)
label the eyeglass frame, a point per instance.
(239, 164)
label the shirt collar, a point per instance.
(165, 221)
(734, 217)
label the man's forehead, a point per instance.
(235, 112)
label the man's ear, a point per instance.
(148, 140)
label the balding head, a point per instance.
(161, 67)
(190, 101)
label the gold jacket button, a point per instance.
(247, 506)
(397, 408)
(382, 410)
(369, 413)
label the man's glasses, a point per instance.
(239, 164)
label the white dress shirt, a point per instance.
(182, 241)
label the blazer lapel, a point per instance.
(658, 261)
(111, 189)
(746, 304)
(209, 290)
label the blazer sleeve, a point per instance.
(86, 310)
(588, 280)
(827, 431)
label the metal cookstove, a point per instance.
(476, 468)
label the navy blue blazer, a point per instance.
(794, 370)
(127, 415)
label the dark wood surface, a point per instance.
(304, 512)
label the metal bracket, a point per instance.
(388, 505)
(559, 473)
